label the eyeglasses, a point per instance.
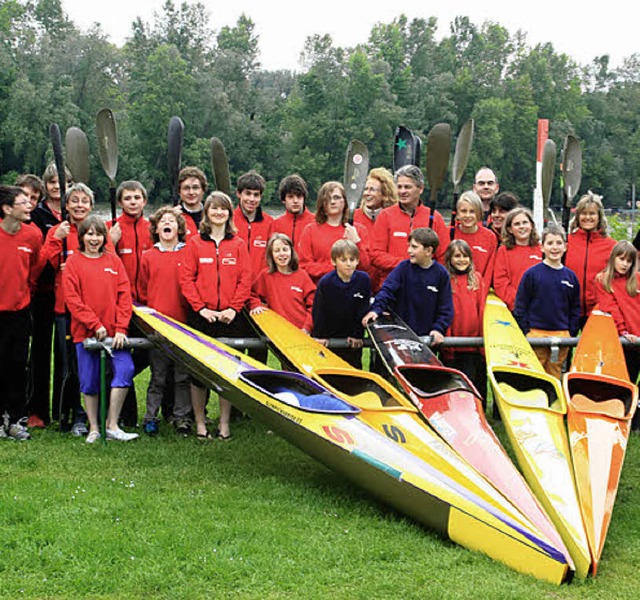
(371, 189)
(483, 183)
(190, 188)
(22, 203)
(336, 197)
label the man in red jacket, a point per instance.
(19, 269)
(293, 194)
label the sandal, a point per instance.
(224, 438)
(205, 436)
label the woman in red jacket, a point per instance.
(588, 249)
(520, 250)
(331, 225)
(215, 279)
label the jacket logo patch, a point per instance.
(229, 260)
(480, 249)
(401, 234)
(205, 260)
(295, 288)
(358, 295)
(567, 283)
(125, 251)
(432, 288)
(108, 270)
(25, 249)
(260, 243)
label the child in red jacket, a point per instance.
(284, 287)
(469, 296)
(159, 289)
(98, 296)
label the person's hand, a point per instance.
(351, 233)
(257, 310)
(101, 333)
(64, 229)
(436, 338)
(227, 315)
(632, 338)
(115, 233)
(322, 341)
(208, 315)
(119, 341)
(370, 316)
(355, 342)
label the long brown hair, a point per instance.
(508, 239)
(587, 201)
(605, 277)
(462, 246)
(216, 199)
(324, 197)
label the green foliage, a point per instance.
(280, 122)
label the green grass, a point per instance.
(173, 517)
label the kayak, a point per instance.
(533, 407)
(601, 402)
(452, 406)
(330, 429)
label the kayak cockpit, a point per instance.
(298, 391)
(601, 395)
(428, 381)
(528, 389)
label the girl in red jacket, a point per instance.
(331, 225)
(469, 297)
(588, 248)
(618, 293)
(283, 287)
(98, 296)
(520, 250)
(215, 279)
(481, 240)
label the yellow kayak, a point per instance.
(533, 407)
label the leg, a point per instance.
(198, 401)
(225, 415)
(91, 403)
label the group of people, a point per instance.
(211, 265)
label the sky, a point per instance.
(573, 28)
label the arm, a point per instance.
(502, 278)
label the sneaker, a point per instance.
(121, 436)
(18, 431)
(79, 429)
(35, 422)
(151, 427)
(93, 437)
(183, 426)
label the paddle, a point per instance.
(571, 173)
(460, 159)
(417, 150)
(438, 146)
(77, 147)
(108, 150)
(356, 169)
(174, 154)
(58, 157)
(220, 165)
(403, 148)
(548, 167)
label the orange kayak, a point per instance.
(601, 402)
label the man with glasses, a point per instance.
(486, 186)
(192, 186)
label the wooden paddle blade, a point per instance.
(403, 147)
(548, 168)
(174, 151)
(107, 135)
(571, 167)
(77, 147)
(356, 169)
(462, 152)
(438, 147)
(417, 150)
(220, 165)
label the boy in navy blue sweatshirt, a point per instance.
(418, 289)
(342, 299)
(548, 299)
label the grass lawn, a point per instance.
(173, 517)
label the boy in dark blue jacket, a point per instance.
(418, 289)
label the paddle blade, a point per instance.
(438, 146)
(548, 168)
(174, 152)
(403, 148)
(571, 167)
(220, 165)
(417, 150)
(107, 135)
(356, 168)
(462, 152)
(77, 147)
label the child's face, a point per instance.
(466, 215)
(419, 254)
(554, 247)
(249, 200)
(521, 229)
(79, 206)
(460, 261)
(132, 202)
(32, 194)
(345, 266)
(334, 204)
(168, 228)
(281, 252)
(218, 215)
(622, 263)
(93, 242)
(498, 215)
(294, 203)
